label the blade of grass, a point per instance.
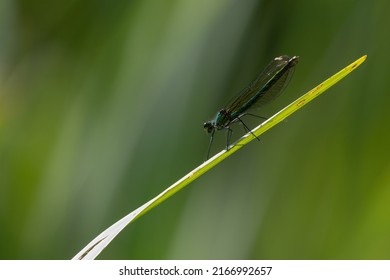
(93, 249)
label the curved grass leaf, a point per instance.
(93, 249)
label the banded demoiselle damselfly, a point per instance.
(265, 88)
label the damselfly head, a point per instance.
(208, 126)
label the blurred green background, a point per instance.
(102, 105)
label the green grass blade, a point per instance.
(93, 249)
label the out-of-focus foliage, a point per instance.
(92, 91)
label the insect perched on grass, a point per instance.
(266, 87)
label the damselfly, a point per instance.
(266, 87)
